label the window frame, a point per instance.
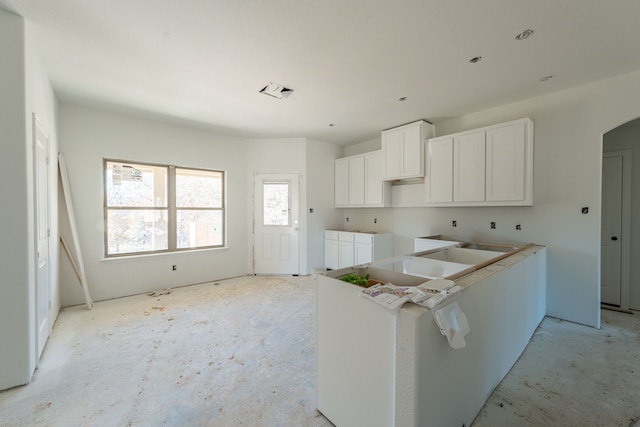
(171, 208)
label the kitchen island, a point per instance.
(380, 368)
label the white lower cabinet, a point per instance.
(331, 250)
(347, 248)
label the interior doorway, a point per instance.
(276, 224)
(611, 235)
(43, 233)
(617, 239)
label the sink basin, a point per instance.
(462, 255)
(431, 268)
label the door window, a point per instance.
(276, 202)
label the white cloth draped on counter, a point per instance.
(453, 324)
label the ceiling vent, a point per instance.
(276, 90)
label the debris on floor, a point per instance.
(160, 292)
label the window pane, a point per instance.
(130, 184)
(198, 189)
(275, 198)
(137, 231)
(199, 228)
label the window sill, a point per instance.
(128, 258)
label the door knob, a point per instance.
(614, 238)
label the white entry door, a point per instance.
(611, 237)
(276, 224)
(41, 153)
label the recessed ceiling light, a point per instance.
(402, 98)
(545, 78)
(475, 59)
(276, 90)
(525, 34)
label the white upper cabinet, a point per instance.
(438, 178)
(506, 163)
(491, 166)
(377, 191)
(469, 167)
(341, 182)
(359, 181)
(403, 152)
(356, 180)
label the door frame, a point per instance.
(298, 179)
(37, 129)
(625, 248)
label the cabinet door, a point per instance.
(356, 180)
(345, 254)
(439, 171)
(506, 163)
(363, 253)
(392, 142)
(469, 167)
(341, 182)
(412, 160)
(374, 184)
(331, 258)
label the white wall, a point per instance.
(313, 160)
(320, 187)
(363, 147)
(24, 89)
(569, 126)
(277, 155)
(87, 135)
(628, 138)
(14, 304)
(41, 102)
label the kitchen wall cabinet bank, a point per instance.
(490, 166)
(347, 248)
(403, 149)
(359, 181)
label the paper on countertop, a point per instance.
(437, 290)
(388, 295)
(428, 294)
(436, 286)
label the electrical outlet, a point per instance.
(174, 267)
(454, 223)
(375, 220)
(493, 225)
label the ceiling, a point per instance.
(348, 62)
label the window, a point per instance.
(158, 208)
(276, 204)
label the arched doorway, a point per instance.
(620, 239)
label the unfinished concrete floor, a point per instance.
(242, 352)
(572, 375)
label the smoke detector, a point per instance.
(276, 90)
